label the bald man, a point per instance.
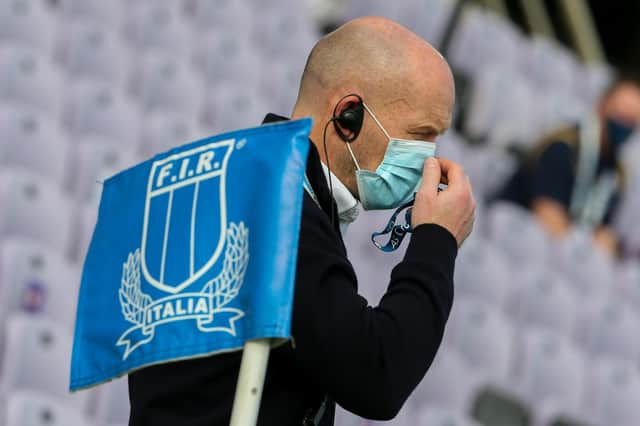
(548, 181)
(379, 96)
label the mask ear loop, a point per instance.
(366, 107)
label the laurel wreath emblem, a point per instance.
(223, 288)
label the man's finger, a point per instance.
(431, 176)
(452, 171)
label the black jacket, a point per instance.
(367, 359)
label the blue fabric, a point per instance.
(193, 253)
(553, 176)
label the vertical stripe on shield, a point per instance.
(177, 267)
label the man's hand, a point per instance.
(453, 208)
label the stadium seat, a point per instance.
(94, 160)
(230, 108)
(450, 382)
(550, 65)
(157, 26)
(606, 328)
(434, 415)
(98, 109)
(283, 33)
(628, 282)
(165, 82)
(484, 275)
(517, 232)
(34, 141)
(113, 402)
(162, 131)
(546, 300)
(241, 63)
(220, 14)
(280, 85)
(88, 50)
(29, 79)
(613, 393)
(472, 324)
(19, 17)
(549, 367)
(86, 219)
(32, 408)
(104, 12)
(429, 19)
(34, 208)
(37, 281)
(36, 357)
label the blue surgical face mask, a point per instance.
(399, 175)
(618, 133)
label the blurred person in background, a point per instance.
(379, 96)
(574, 176)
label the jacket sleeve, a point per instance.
(369, 359)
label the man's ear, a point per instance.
(348, 116)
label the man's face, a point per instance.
(420, 113)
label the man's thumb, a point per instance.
(431, 174)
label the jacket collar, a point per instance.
(316, 176)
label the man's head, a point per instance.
(619, 110)
(402, 79)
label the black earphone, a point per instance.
(351, 119)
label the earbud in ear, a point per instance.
(351, 119)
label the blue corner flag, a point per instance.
(193, 253)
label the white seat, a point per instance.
(162, 131)
(113, 402)
(608, 326)
(549, 368)
(434, 415)
(518, 233)
(550, 65)
(472, 324)
(29, 78)
(87, 218)
(484, 274)
(281, 33)
(37, 357)
(33, 140)
(34, 208)
(152, 25)
(101, 110)
(241, 63)
(87, 50)
(628, 280)
(95, 160)
(32, 408)
(231, 108)
(613, 393)
(545, 300)
(104, 12)
(18, 18)
(449, 382)
(280, 84)
(37, 281)
(220, 14)
(429, 19)
(165, 82)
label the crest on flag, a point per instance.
(171, 263)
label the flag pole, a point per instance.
(253, 367)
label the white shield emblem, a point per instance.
(180, 242)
